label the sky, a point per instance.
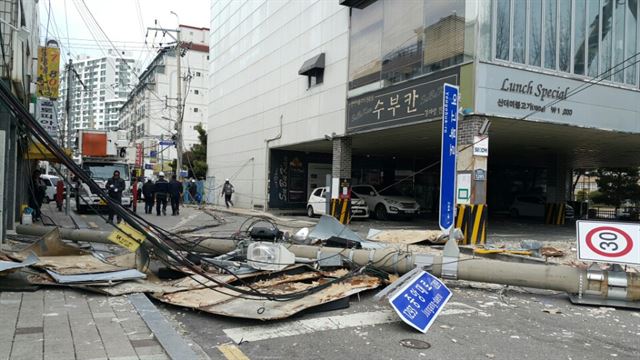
(123, 21)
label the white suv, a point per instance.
(387, 202)
(317, 204)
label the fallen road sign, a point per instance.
(610, 242)
(127, 237)
(420, 300)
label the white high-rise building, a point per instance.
(150, 112)
(101, 84)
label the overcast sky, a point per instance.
(123, 21)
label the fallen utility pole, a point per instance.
(616, 288)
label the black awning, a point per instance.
(313, 65)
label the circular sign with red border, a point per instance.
(609, 245)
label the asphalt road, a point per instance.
(481, 321)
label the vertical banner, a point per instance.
(139, 155)
(47, 117)
(48, 80)
(448, 157)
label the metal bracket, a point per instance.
(450, 258)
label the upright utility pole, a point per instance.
(178, 127)
(179, 97)
(67, 109)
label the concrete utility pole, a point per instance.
(613, 288)
(67, 110)
(178, 126)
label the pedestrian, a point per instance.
(115, 186)
(37, 191)
(193, 191)
(59, 194)
(134, 193)
(147, 192)
(175, 192)
(161, 190)
(227, 190)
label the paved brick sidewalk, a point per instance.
(68, 324)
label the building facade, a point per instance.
(550, 85)
(19, 29)
(98, 83)
(150, 110)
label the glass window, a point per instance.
(402, 40)
(550, 21)
(444, 25)
(519, 31)
(365, 45)
(564, 51)
(579, 47)
(535, 33)
(502, 29)
(618, 36)
(632, 38)
(607, 34)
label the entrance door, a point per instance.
(317, 173)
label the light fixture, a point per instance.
(269, 256)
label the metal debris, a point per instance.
(227, 302)
(6, 266)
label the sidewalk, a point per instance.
(61, 324)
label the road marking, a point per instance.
(185, 221)
(232, 352)
(93, 225)
(307, 326)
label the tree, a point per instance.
(617, 185)
(196, 157)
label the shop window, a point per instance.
(618, 40)
(631, 40)
(502, 29)
(579, 38)
(519, 32)
(535, 33)
(606, 39)
(550, 26)
(564, 54)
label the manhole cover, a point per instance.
(415, 344)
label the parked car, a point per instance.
(317, 204)
(533, 206)
(385, 203)
(50, 181)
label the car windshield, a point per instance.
(99, 171)
(363, 189)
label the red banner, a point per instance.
(139, 155)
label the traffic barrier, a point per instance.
(472, 220)
(341, 210)
(554, 213)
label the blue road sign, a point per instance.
(448, 157)
(167, 142)
(420, 300)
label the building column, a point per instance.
(471, 192)
(340, 205)
(557, 190)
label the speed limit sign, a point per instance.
(609, 242)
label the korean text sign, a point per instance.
(420, 300)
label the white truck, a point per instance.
(101, 153)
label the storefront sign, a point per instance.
(46, 116)
(507, 92)
(463, 189)
(479, 175)
(138, 155)
(406, 103)
(481, 146)
(48, 72)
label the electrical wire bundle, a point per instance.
(169, 247)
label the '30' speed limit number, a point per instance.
(609, 242)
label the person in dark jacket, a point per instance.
(227, 191)
(147, 192)
(115, 186)
(175, 191)
(36, 194)
(161, 190)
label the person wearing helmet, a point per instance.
(227, 190)
(161, 190)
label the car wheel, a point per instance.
(514, 213)
(381, 212)
(310, 212)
